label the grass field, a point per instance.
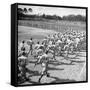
(25, 33)
(62, 70)
(60, 26)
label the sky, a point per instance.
(60, 11)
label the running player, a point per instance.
(44, 59)
(30, 42)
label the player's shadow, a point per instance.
(81, 55)
(58, 80)
(32, 72)
(60, 63)
(67, 58)
(77, 61)
(33, 82)
(53, 68)
(32, 62)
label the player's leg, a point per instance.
(47, 74)
(54, 55)
(43, 71)
(31, 49)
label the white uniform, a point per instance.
(22, 59)
(20, 46)
(43, 59)
(44, 41)
(77, 40)
(59, 42)
(29, 42)
(50, 43)
(37, 46)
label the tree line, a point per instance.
(22, 15)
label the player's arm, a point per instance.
(39, 58)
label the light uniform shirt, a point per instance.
(44, 41)
(56, 37)
(77, 40)
(20, 46)
(68, 41)
(50, 42)
(66, 47)
(43, 58)
(52, 38)
(22, 57)
(29, 42)
(26, 46)
(22, 60)
(58, 42)
(37, 46)
(51, 46)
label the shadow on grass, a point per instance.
(50, 68)
(60, 63)
(58, 80)
(77, 61)
(81, 55)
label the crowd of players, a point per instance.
(58, 44)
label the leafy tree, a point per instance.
(25, 10)
(20, 10)
(30, 10)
